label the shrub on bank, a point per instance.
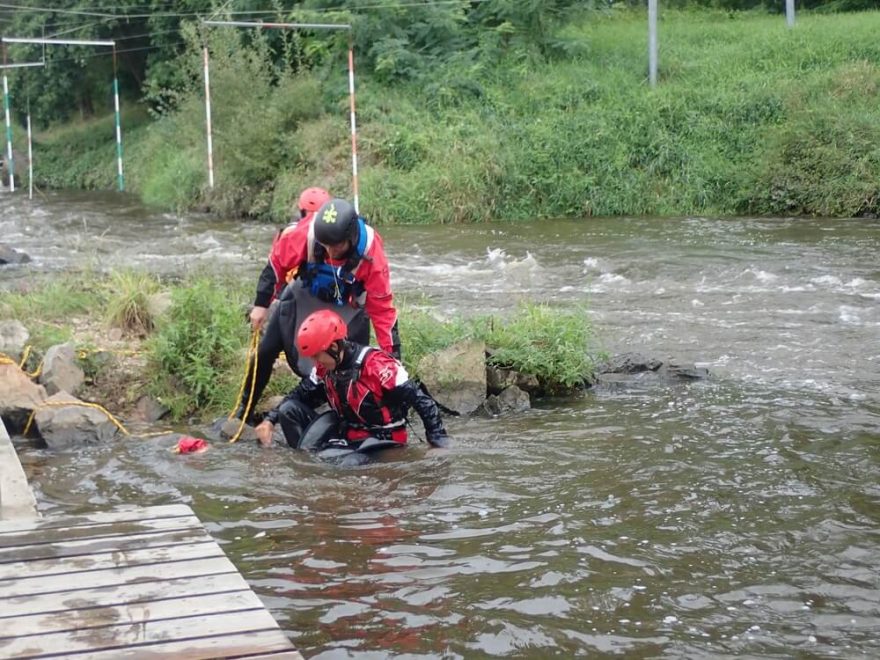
(196, 355)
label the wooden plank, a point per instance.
(72, 568)
(231, 625)
(45, 536)
(119, 515)
(130, 614)
(84, 547)
(135, 583)
(280, 655)
(116, 576)
(252, 646)
(136, 592)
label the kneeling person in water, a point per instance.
(368, 390)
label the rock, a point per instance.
(64, 426)
(629, 363)
(498, 379)
(13, 338)
(19, 397)
(149, 410)
(60, 372)
(158, 304)
(230, 427)
(511, 400)
(456, 376)
(633, 369)
(10, 256)
(115, 334)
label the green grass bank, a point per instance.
(183, 342)
(749, 118)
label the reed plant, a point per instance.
(128, 301)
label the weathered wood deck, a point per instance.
(136, 582)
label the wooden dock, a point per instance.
(138, 582)
(129, 583)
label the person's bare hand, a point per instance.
(258, 316)
(264, 432)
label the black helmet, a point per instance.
(335, 222)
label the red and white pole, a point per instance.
(354, 159)
(208, 122)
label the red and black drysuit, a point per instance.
(369, 300)
(371, 393)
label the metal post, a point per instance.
(789, 13)
(208, 122)
(652, 42)
(354, 162)
(30, 159)
(119, 175)
(9, 161)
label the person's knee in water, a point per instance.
(369, 390)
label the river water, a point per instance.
(735, 517)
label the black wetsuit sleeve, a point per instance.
(265, 287)
(308, 392)
(395, 343)
(411, 395)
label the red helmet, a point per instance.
(318, 332)
(311, 199)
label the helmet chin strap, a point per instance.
(334, 351)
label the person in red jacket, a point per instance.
(333, 260)
(287, 251)
(368, 390)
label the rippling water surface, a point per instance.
(735, 517)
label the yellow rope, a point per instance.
(81, 404)
(253, 349)
(5, 359)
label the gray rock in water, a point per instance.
(10, 256)
(149, 410)
(64, 426)
(629, 363)
(456, 376)
(634, 369)
(511, 400)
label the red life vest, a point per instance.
(356, 394)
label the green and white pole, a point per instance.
(9, 162)
(7, 105)
(119, 175)
(74, 42)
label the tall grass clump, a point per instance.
(197, 354)
(555, 345)
(45, 306)
(129, 301)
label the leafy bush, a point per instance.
(197, 354)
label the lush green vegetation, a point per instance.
(514, 111)
(195, 352)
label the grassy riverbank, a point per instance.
(749, 118)
(183, 342)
